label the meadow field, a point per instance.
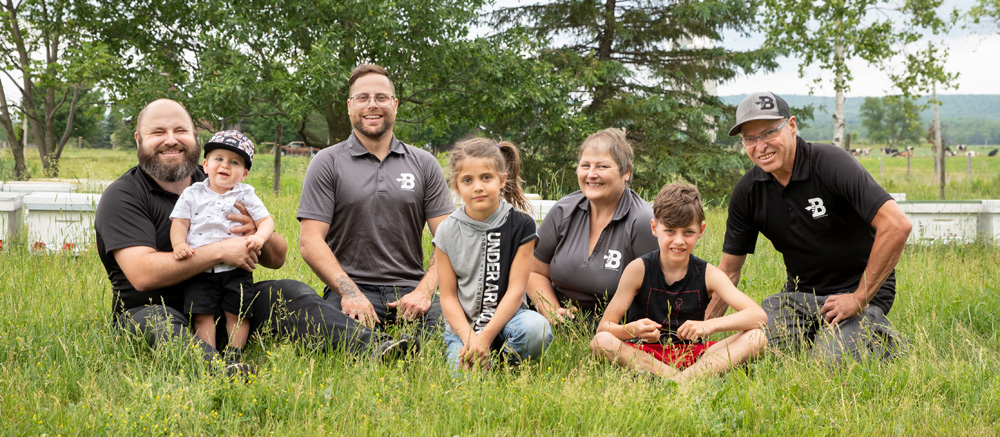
(64, 371)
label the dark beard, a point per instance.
(160, 171)
(359, 126)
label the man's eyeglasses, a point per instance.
(766, 136)
(362, 100)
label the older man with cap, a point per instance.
(840, 234)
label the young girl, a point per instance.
(483, 256)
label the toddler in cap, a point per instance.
(200, 218)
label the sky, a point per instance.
(973, 52)
(975, 56)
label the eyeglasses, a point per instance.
(362, 100)
(750, 142)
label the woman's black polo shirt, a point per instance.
(820, 222)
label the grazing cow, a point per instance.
(891, 151)
(972, 153)
(992, 152)
(962, 147)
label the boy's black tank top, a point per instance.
(670, 304)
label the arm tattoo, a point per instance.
(347, 288)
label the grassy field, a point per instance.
(63, 372)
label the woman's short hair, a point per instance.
(611, 140)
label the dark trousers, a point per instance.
(285, 308)
(381, 295)
(794, 321)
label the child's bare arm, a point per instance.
(178, 238)
(628, 285)
(473, 348)
(265, 227)
(749, 315)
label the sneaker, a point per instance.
(239, 371)
(391, 350)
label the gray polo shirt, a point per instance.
(376, 209)
(564, 237)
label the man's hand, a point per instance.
(247, 226)
(645, 329)
(694, 330)
(235, 253)
(354, 303)
(476, 350)
(183, 251)
(412, 306)
(841, 307)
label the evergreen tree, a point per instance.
(650, 68)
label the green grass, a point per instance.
(63, 371)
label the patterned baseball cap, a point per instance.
(760, 106)
(233, 140)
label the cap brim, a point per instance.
(736, 129)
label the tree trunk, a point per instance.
(838, 112)
(276, 186)
(939, 149)
(605, 90)
(16, 143)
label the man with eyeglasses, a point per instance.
(362, 213)
(840, 234)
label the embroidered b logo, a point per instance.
(766, 103)
(406, 181)
(816, 207)
(613, 259)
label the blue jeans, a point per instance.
(524, 337)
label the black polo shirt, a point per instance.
(820, 222)
(564, 241)
(135, 211)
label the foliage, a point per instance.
(985, 11)
(45, 42)
(893, 120)
(830, 34)
(646, 67)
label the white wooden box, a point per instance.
(989, 221)
(943, 221)
(36, 187)
(11, 217)
(60, 221)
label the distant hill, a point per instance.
(966, 118)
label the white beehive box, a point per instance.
(989, 221)
(11, 217)
(540, 208)
(37, 187)
(943, 221)
(79, 185)
(60, 221)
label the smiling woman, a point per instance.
(589, 236)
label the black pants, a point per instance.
(286, 308)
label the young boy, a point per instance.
(199, 218)
(665, 294)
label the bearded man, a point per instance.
(133, 241)
(364, 205)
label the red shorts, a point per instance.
(677, 355)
